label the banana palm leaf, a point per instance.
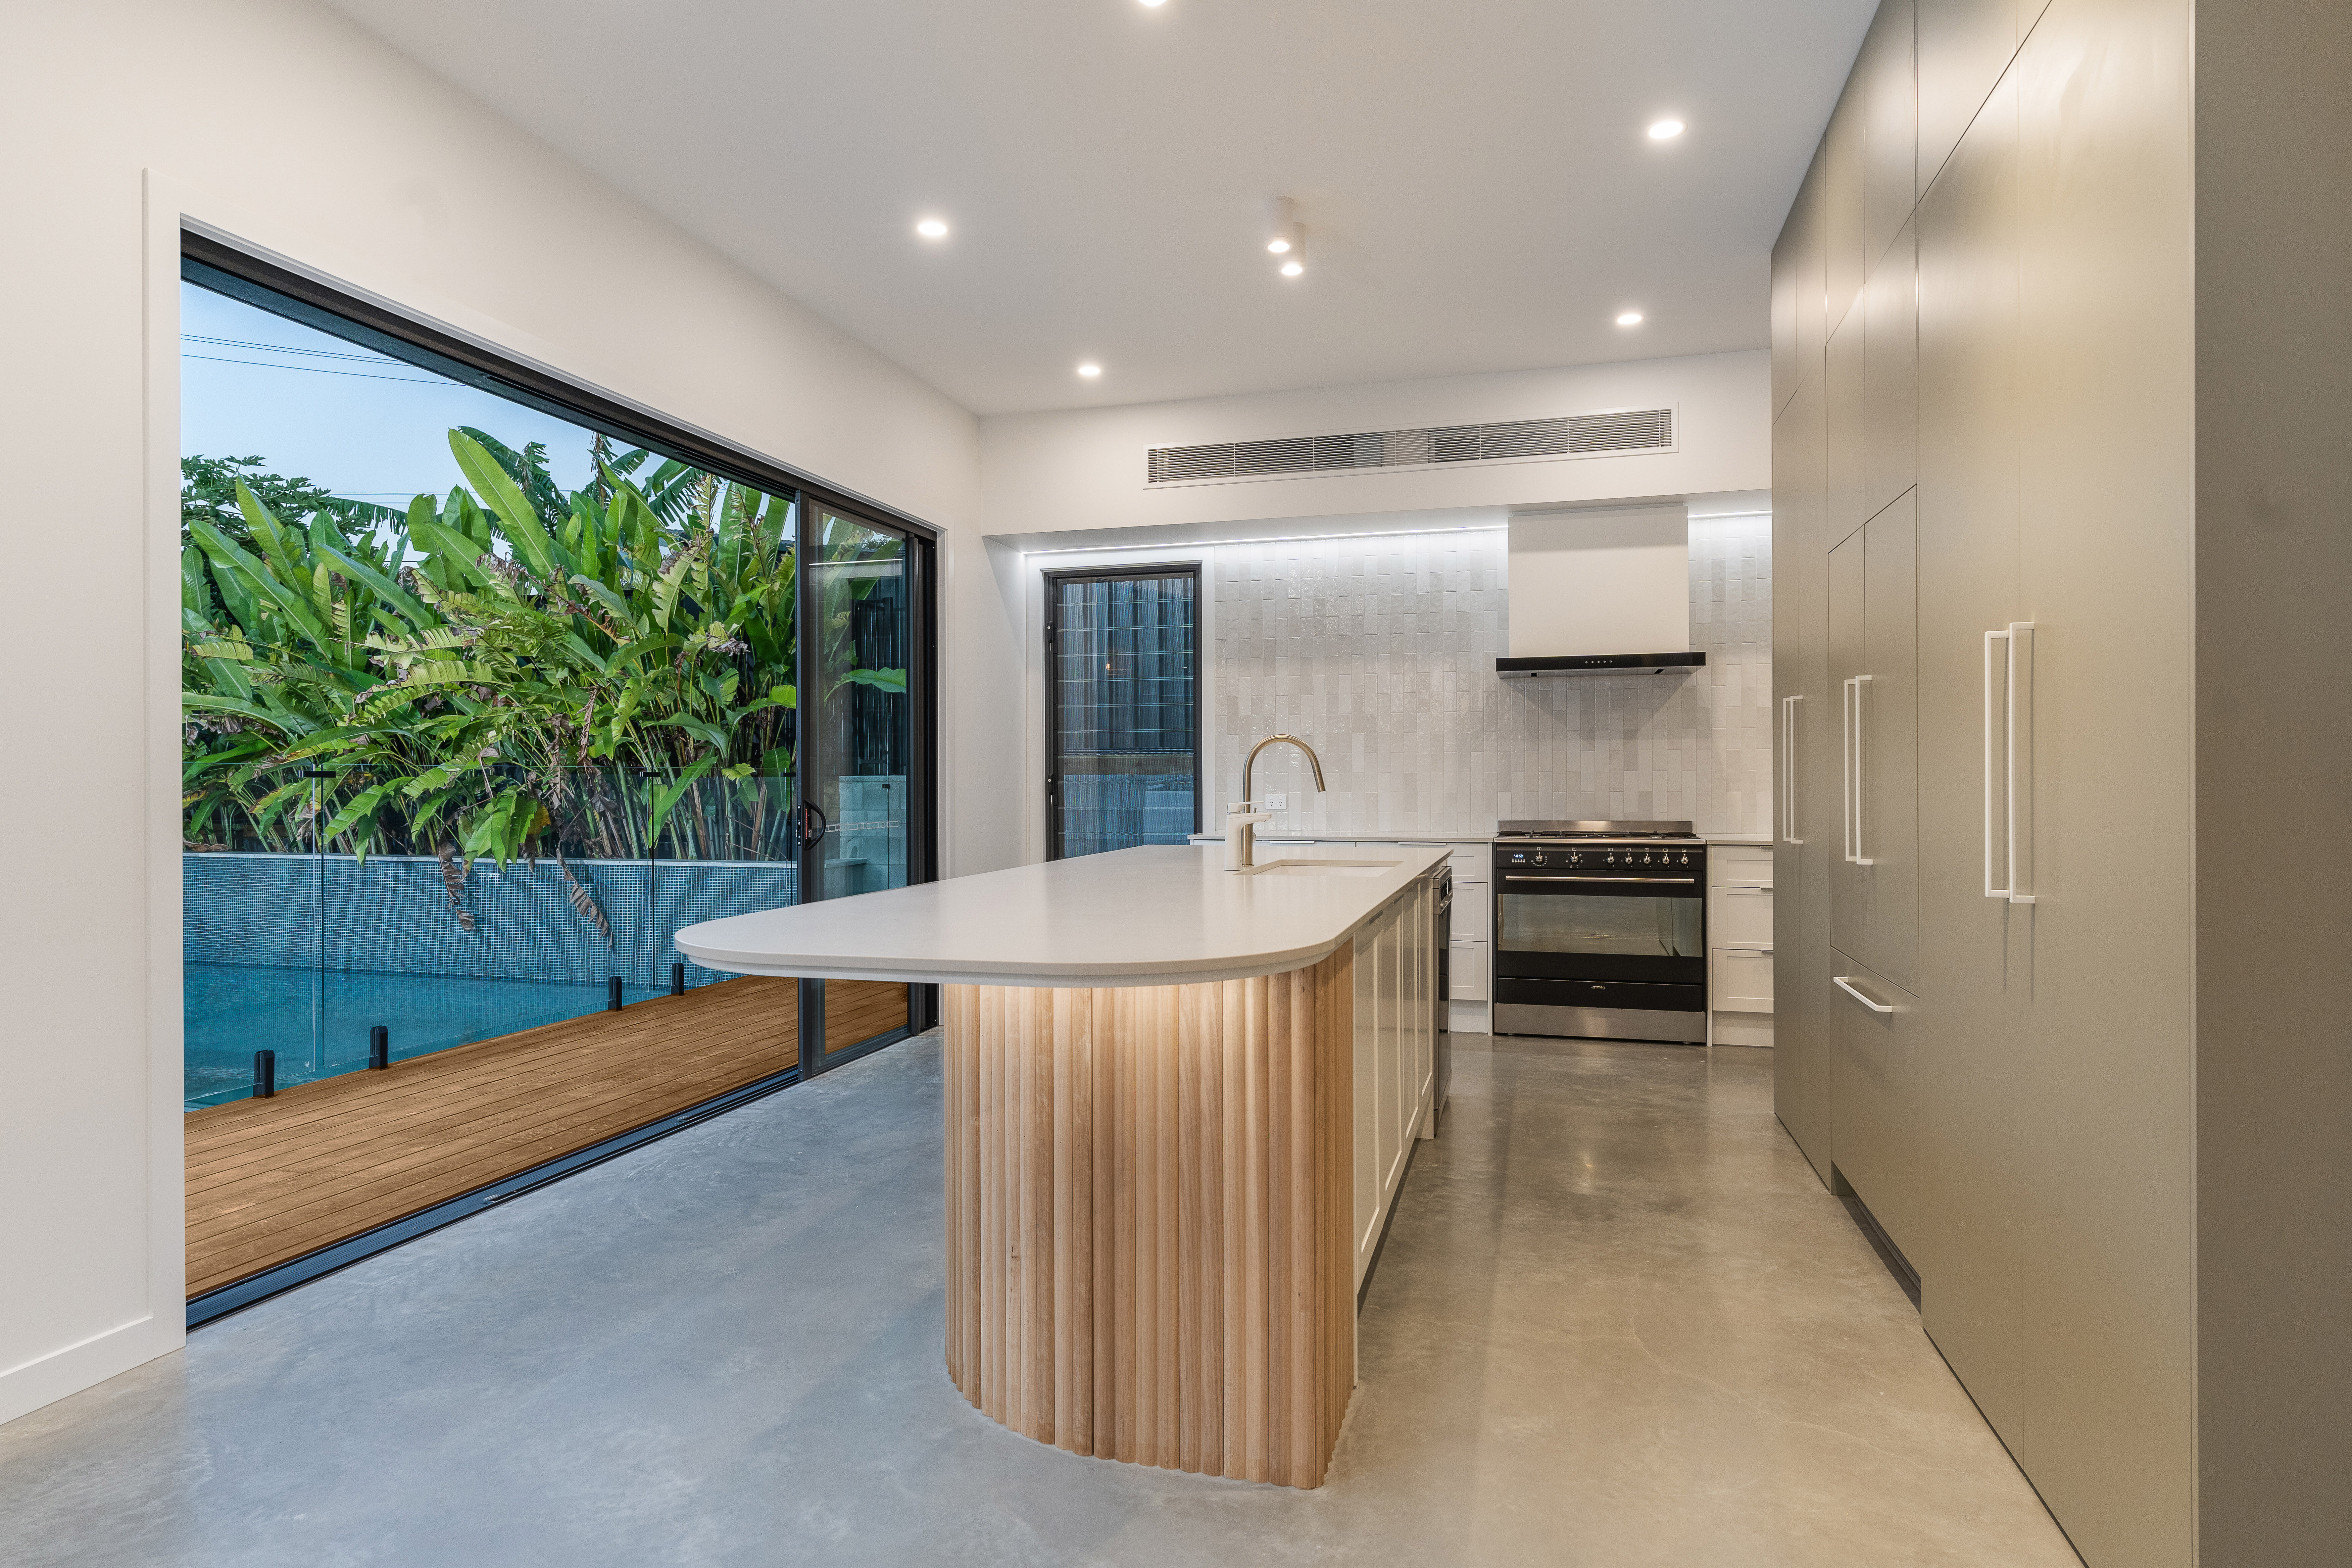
(500, 497)
(398, 598)
(665, 797)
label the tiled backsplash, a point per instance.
(1380, 652)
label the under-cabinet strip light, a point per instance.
(1267, 538)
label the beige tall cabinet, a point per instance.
(1996, 385)
(1802, 849)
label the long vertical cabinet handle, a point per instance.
(2009, 685)
(1996, 755)
(1845, 770)
(2021, 761)
(1855, 779)
(1789, 769)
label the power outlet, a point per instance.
(1278, 802)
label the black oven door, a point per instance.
(1562, 926)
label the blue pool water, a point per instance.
(318, 1020)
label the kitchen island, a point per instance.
(1180, 1103)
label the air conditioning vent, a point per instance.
(1573, 435)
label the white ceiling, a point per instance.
(1475, 181)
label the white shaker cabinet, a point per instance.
(1739, 900)
(1395, 974)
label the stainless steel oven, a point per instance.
(1600, 931)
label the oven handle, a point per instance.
(1661, 881)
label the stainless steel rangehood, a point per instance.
(1587, 585)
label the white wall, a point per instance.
(1056, 486)
(1043, 474)
(281, 122)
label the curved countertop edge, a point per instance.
(1067, 979)
(1045, 973)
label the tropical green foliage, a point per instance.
(208, 491)
(507, 670)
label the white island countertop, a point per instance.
(1159, 915)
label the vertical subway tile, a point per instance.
(1381, 653)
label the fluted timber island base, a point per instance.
(1149, 1217)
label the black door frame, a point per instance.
(922, 808)
(1053, 580)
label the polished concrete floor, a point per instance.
(1618, 1322)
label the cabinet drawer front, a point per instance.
(1741, 920)
(1739, 864)
(1466, 972)
(1473, 914)
(1739, 981)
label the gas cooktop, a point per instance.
(1579, 830)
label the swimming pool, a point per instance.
(318, 1020)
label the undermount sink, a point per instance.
(1324, 868)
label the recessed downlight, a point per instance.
(1151, 5)
(1629, 318)
(1091, 370)
(1665, 130)
(932, 228)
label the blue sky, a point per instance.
(349, 420)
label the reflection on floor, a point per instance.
(1617, 1322)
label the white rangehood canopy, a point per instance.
(1600, 591)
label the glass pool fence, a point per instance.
(328, 920)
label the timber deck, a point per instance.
(271, 1180)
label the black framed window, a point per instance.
(1122, 659)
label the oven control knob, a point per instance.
(1645, 856)
(1612, 856)
(1538, 858)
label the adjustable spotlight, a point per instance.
(1282, 235)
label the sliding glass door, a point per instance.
(859, 755)
(1122, 656)
(490, 685)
